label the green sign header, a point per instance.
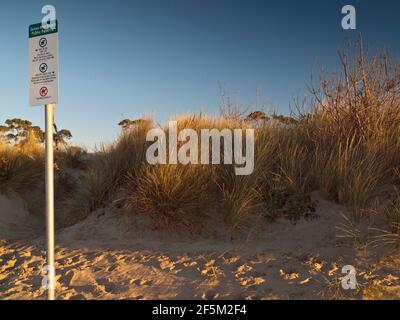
(36, 30)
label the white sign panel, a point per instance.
(43, 65)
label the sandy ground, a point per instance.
(112, 256)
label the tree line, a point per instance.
(15, 131)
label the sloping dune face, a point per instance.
(109, 256)
(15, 222)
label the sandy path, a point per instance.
(105, 257)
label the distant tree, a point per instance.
(17, 130)
(39, 134)
(3, 130)
(285, 119)
(61, 136)
(128, 123)
(125, 123)
(257, 116)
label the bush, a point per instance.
(173, 195)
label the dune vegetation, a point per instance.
(343, 140)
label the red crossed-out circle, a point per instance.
(43, 91)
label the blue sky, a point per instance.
(126, 59)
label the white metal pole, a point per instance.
(50, 200)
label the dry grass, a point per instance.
(107, 171)
(390, 235)
(72, 157)
(21, 167)
(352, 131)
(174, 195)
(346, 146)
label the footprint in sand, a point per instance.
(252, 282)
(77, 297)
(66, 278)
(210, 295)
(8, 265)
(112, 268)
(141, 282)
(107, 284)
(289, 275)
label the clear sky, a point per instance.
(126, 59)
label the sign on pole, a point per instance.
(43, 64)
(43, 90)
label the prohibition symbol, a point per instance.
(43, 91)
(42, 42)
(43, 67)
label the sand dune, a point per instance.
(15, 222)
(111, 256)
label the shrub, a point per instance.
(174, 195)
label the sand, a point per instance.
(115, 256)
